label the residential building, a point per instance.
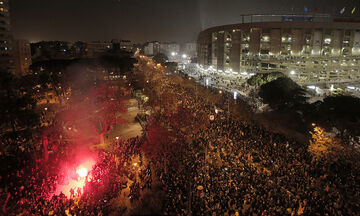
(93, 49)
(189, 49)
(169, 48)
(45, 50)
(126, 45)
(22, 57)
(152, 48)
(6, 61)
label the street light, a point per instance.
(117, 140)
(184, 56)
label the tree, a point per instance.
(17, 108)
(342, 112)
(282, 93)
(106, 103)
(52, 75)
(160, 58)
(323, 146)
(263, 78)
(18, 116)
(118, 61)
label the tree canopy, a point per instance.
(340, 111)
(263, 78)
(282, 93)
(160, 58)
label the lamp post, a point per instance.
(117, 140)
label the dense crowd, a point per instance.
(30, 188)
(229, 167)
(236, 167)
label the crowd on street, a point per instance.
(230, 166)
(237, 167)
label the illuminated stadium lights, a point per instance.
(312, 87)
(310, 59)
(332, 87)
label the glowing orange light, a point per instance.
(76, 183)
(82, 172)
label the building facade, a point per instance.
(22, 57)
(93, 49)
(306, 51)
(6, 61)
(152, 48)
(169, 48)
(122, 44)
(126, 45)
(190, 49)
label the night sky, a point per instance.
(145, 20)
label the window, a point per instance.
(327, 40)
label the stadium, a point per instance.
(321, 49)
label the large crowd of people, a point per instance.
(236, 167)
(230, 166)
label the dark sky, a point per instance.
(144, 20)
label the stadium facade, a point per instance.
(308, 49)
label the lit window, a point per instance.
(327, 40)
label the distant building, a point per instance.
(189, 49)
(45, 50)
(6, 62)
(22, 57)
(169, 49)
(152, 48)
(78, 49)
(95, 48)
(126, 45)
(122, 44)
